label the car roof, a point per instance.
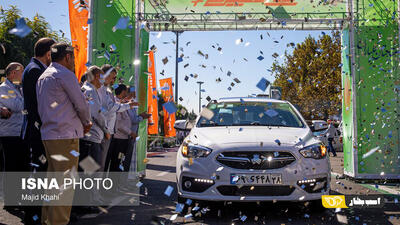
(250, 99)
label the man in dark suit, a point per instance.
(32, 122)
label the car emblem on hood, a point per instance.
(256, 159)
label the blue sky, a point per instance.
(232, 58)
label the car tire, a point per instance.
(316, 206)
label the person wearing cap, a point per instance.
(16, 153)
(111, 107)
(31, 126)
(65, 117)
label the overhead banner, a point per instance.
(252, 6)
(168, 96)
(78, 22)
(152, 96)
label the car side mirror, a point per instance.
(187, 126)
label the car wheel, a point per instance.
(316, 206)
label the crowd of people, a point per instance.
(46, 111)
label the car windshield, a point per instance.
(249, 114)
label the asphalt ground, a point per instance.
(157, 208)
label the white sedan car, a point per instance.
(252, 149)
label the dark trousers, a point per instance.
(38, 153)
(330, 146)
(113, 161)
(16, 159)
(88, 148)
(129, 154)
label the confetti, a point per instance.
(89, 165)
(168, 191)
(42, 159)
(139, 184)
(263, 84)
(207, 113)
(173, 217)
(179, 207)
(372, 151)
(74, 153)
(21, 29)
(188, 202)
(122, 24)
(170, 107)
(54, 105)
(220, 168)
(260, 57)
(278, 142)
(165, 60)
(59, 158)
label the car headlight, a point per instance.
(194, 151)
(314, 151)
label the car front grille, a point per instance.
(281, 190)
(256, 160)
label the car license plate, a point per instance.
(256, 179)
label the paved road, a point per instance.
(157, 208)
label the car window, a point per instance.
(251, 114)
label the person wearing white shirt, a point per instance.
(111, 107)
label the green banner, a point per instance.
(375, 150)
(255, 6)
(141, 145)
(111, 45)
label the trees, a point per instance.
(17, 49)
(310, 77)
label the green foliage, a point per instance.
(19, 49)
(310, 77)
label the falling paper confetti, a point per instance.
(372, 151)
(173, 217)
(59, 158)
(263, 84)
(170, 107)
(168, 191)
(53, 105)
(88, 165)
(122, 24)
(206, 113)
(21, 29)
(179, 207)
(74, 153)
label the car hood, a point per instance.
(251, 136)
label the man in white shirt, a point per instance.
(111, 107)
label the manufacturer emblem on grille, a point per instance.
(256, 159)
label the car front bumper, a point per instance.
(208, 170)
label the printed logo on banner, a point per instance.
(229, 3)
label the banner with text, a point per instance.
(152, 96)
(168, 96)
